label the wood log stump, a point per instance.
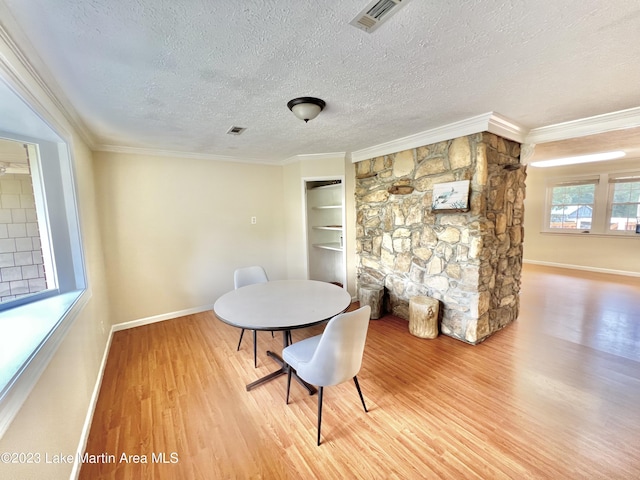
(372, 295)
(423, 317)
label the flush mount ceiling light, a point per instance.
(306, 108)
(596, 157)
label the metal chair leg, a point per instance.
(255, 348)
(355, 380)
(240, 341)
(288, 383)
(320, 391)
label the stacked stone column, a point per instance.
(470, 261)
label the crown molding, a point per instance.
(586, 126)
(152, 152)
(23, 88)
(487, 122)
(313, 156)
(506, 128)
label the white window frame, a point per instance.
(54, 309)
(602, 207)
(612, 180)
(566, 182)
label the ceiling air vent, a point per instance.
(376, 13)
(236, 130)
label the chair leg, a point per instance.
(255, 348)
(240, 341)
(355, 380)
(320, 391)
(288, 383)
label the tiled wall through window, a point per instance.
(21, 264)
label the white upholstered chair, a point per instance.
(248, 276)
(331, 358)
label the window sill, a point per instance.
(29, 336)
(599, 235)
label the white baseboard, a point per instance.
(584, 268)
(160, 318)
(84, 437)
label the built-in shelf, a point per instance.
(329, 246)
(335, 228)
(325, 230)
(329, 186)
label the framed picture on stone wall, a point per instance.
(451, 196)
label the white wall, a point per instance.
(294, 175)
(175, 229)
(350, 226)
(51, 420)
(294, 220)
(598, 253)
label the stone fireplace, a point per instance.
(470, 261)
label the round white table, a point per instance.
(281, 305)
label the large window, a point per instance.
(572, 205)
(607, 204)
(42, 278)
(624, 203)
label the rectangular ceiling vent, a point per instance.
(376, 13)
(236, 130)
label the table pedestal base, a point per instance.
(282, 371)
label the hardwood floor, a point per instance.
(554, 395)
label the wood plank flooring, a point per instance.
(554, 395)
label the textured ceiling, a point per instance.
(627, 140)
(174, 75)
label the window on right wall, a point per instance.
(623, 213)
(606, 204)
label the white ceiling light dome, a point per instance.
(306, 108)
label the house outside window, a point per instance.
(22, 263)
(572, 205)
